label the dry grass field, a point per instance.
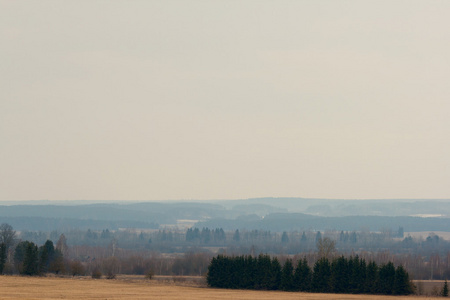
(13, 287)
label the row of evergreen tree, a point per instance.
(341, 275)
(29, 259)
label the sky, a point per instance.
(197, 100)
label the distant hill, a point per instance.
(345, 207)
(300, 222)
(275, 214)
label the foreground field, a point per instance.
(12, 287)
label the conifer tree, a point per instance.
(357, 275)
(371, 278)
(43, 260)
(19, 255)
(362, 283)
(318, 236)
(2, 257)
(46, 256)
(236, 236)
(302, 276)
(275, 272)
(213, 272)
(249, 272)
(263, 277)
(340, 275)
(31, 260)
(341, 236)
(217, 272)
(287, 276)
(321, 278)
(284, 238)
(234, 273)
(444, 292)
(386, 279)
(402, 285)
(303, 238)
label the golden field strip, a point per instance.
(15, 287)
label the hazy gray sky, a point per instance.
(154, 100)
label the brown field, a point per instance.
(134, 287)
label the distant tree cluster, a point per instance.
(26, 258)
(341, 275)
(31, 260)
(205, 235)
(173, 251)
(241, 241)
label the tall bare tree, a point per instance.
(7, 235)
(61, 245)
(326, 247)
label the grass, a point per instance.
(134, 287)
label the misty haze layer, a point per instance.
(164, 100)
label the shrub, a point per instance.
(149, 274)
(96, 274)
(77, 268)
(111, 267)
(178, 279)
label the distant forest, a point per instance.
(181, 238)
(270, 214)
(196, 251)
(172, 251)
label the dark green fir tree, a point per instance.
(444, 292)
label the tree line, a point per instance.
(26, 258)
(29, 259)
(169, 240)
(340, 275)
(186, 254)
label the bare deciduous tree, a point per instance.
(61, 245)
(7, 235)
(325, 247)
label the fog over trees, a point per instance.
(110, 241)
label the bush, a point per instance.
(96, 274)
(111, 267)
(77, 268)
(8, 269)
(149, 274)
(178, 279)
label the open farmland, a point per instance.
(13, 287)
